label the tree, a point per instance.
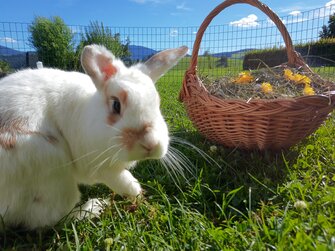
(4, 68)
(99, 34)
(328, 31)
(52, 40)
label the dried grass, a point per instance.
(227, 87)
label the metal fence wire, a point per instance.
(222, 50)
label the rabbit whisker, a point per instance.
(103, 152)
(97, 167)
(69, 163)
(177, 164)
(180, 161)
(185, 144)
(115, 128)
(115, 157)
(80, 158)
(166, 163)
(112, 160)
(114, 138)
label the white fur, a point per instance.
(39, 175)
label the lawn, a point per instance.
(225, 199)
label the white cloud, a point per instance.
(295, 13)
(318, 12)
(296, 20)
(8, 40)
(288, 20)
(183, 7)
(328, 9)
(249, 21)
(298, 6)
(173, 32)
(297, 16)
(328, 4)
(287, 9)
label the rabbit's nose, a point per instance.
(149, 146)
(152, 150)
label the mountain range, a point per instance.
(138, 53)
(235, 54)
(5, 51)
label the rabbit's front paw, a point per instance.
(122, 183)
(133, 189)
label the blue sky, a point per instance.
(175, 15)
(138, 13)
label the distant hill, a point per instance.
(235, 54)
(137, 52)
(18, 59)
(140, 52)
(5, 51)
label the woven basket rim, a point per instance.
(322, 98)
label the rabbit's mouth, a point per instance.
(144, 143)
(154, 151)
(141, 151)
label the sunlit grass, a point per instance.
(242, 201)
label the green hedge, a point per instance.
(320, 53)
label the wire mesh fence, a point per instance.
(223, 47)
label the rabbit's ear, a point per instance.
(97, 62)
(161, 62)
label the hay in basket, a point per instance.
(263, 123)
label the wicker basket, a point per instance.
(259, 124)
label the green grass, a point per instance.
(247, 201)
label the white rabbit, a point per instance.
(59, 129)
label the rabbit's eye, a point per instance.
(115, 105)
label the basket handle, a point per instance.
(294, 58)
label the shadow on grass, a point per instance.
(244, 179)
(240, 180)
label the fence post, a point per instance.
(27, 59)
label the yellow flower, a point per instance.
(244, 78)
(266, 87)
(308, 90)
(288, 74)
(301, 79)
(296, 78)
(306, 80)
